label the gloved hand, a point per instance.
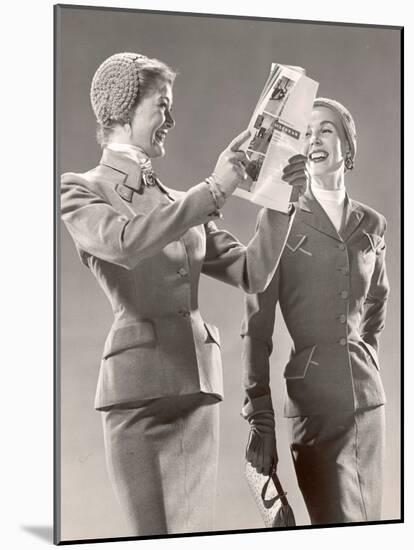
(295, 173)
(261, 449)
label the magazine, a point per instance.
(277, 128)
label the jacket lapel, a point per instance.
(353, 217)
(172, 195)
(312, 213)
(128, 173)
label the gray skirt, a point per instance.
(162, 458)
(339, 464)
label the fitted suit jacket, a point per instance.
(332, 290)
(147, 247)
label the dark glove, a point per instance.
(295, 173)
(261, 449)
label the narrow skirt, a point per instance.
(162, 458)
(339, 464)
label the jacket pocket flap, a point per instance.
(295, 242)
(299, 364)
(212, 334)
(130, 336)
(376, 241)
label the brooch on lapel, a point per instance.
(148, 177)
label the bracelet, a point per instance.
(217, 186)
(212, 192)
(218, 195)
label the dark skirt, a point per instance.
(339, 464)
(162, 458)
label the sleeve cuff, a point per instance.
(256, 405)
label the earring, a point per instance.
(349, 162)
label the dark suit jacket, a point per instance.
(332, 291)
(147, 247)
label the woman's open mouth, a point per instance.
(318, 156)
(160, 136)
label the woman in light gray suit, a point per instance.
(160, 379)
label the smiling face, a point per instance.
(326, 143)
(152, 119)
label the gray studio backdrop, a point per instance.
(223, 63)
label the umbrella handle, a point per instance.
(268, 503)
(281, 493)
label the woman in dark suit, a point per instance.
(160, 379)
(332, 288)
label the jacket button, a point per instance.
(341, 246)
(343, 341)
(342, 318)
(344, 294)
(184, 312)
(182, 272)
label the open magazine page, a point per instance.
(278, 128)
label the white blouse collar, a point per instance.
(131, 151)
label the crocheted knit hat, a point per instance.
(346, 119)
(115, 87)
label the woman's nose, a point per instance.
(315, 139)
(169, 121)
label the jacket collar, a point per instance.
(129, 168)
(314, 215)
